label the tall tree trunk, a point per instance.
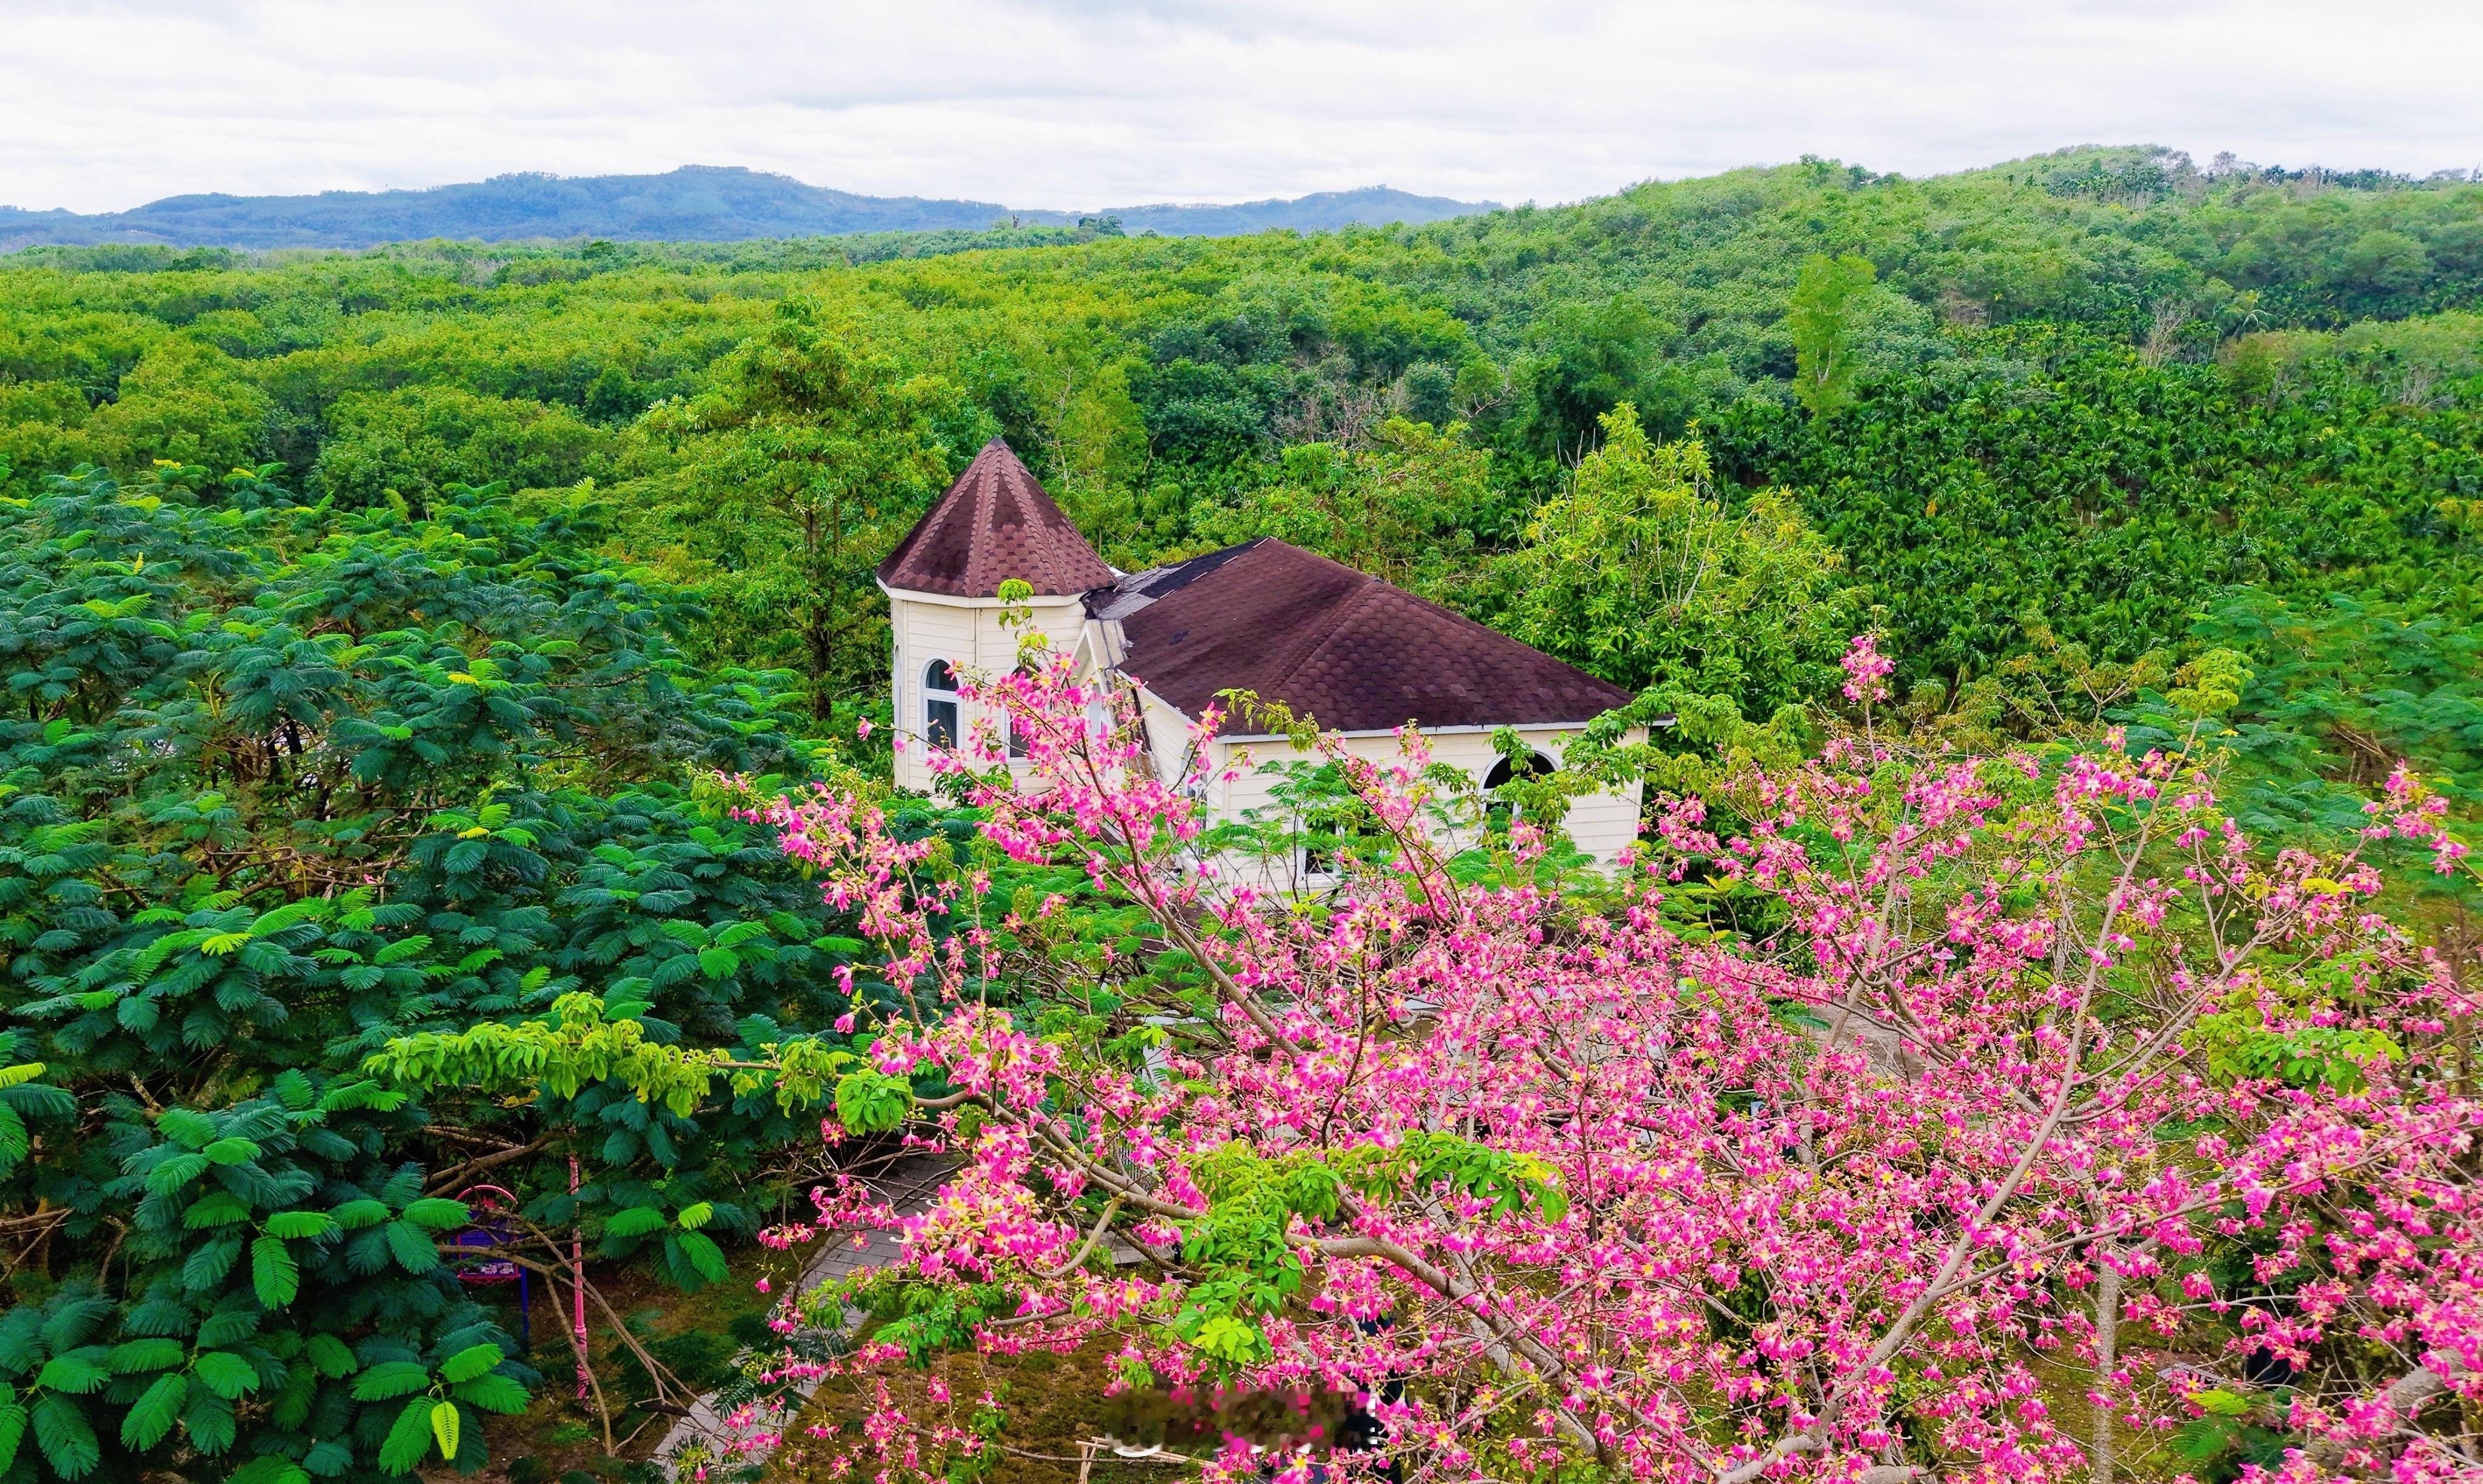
(2107, 1344)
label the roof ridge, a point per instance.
(1364, 595)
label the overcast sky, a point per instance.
(1076, 103)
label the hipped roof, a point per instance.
(1350, 650)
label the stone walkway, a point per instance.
(907, 1185)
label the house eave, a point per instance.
(949, 600)
(1429, 731)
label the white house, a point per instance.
(1360, 656)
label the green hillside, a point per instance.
(375, 623)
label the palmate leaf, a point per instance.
(153, 1414)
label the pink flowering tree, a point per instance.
(2021, 1121)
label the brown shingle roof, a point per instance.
(994, 523)
(1354, 653)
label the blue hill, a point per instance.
(695, 203)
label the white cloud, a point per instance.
(1093, 102)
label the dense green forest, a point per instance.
(371, 622)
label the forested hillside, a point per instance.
(696, 202)
(377, 627)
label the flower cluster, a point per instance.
(1949, 1079)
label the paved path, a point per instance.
(906, 1184)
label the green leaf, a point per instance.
(438, 1213)
(391, 1378)
(471, 1362)
(215, 1209)
(209, 1421)
(692, 1217)
(130, 1357)
(153, 1414)
(173, 1174)
(74, 1374)
(330, 1356)
(491, 1393)
(328, 1459)
(874, 1101)
(187, 1127)
(64, 1436)
(444, 1427)
(270, 1468)
(355, 1214)
(409, 1441)
(274, 1275)
(411, 1247)
(301, 1224)
(719, 962)
(232, 1150)
(703, 1254)
(225, 1373)
(636, 1221)
(12, 1431)
(2220, 1402)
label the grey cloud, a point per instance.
(1068, 101)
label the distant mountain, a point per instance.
(1325, 211)
(695, 203)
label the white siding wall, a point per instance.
(1602, 824)
(967, 633)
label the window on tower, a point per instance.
(940, 705)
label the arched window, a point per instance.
(1536, 765)
(1017, 728)
(940, 705)
(1497, 812)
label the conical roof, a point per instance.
(994, 523)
